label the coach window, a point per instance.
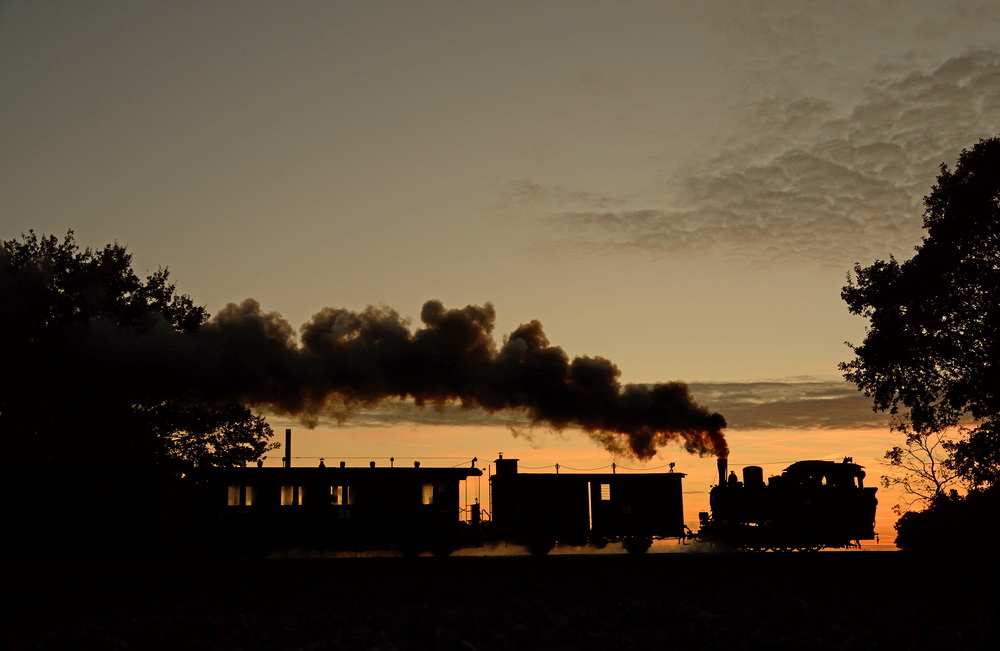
(605, 492)
(340, 495)
(292, 495)
(240, 495)
(427, 494)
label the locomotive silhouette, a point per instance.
(811, 505)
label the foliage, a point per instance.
(921, 469)
(53, 284)
(951, 520)
(977, 457)
(930, 355)
(78, 329)
(227, 436)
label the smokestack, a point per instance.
(723, 471)
(288, 448)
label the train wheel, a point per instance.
(637, 545)
(599, 543)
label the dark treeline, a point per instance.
(931, 357)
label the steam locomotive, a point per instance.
(811, 505)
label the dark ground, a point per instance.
(833, 600)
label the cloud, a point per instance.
(790, 404)
(525, 191)
(785, 404)
(810, 180)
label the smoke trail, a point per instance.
(345, 360)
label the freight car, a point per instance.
(811, 505)
(541, 510)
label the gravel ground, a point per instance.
(830, 600)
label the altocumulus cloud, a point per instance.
(796, 403)
(815, 182)
(788, 403)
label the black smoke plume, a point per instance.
(343, 361)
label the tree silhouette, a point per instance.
(931, 355)
(921, 469)
(70, 396)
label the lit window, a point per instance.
(292, 495)
(240, 495)
(427, 494)
(605, 492)
(341, 495)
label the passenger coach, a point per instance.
(411, 509)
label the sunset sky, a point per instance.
(679, 187)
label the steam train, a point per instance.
(811, 505)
